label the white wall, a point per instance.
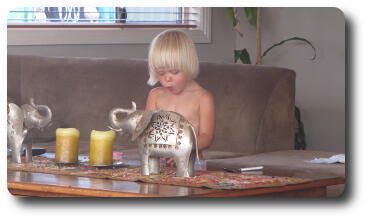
(320, 84)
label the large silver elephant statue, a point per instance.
(20, 121)
(159, 134)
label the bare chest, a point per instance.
(185, 105)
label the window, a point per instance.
(103, 25)
(46, 17)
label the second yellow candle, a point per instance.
(100, 150)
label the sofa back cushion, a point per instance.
(254, 104)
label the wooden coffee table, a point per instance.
(51, 185)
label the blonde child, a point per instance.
(173, 61)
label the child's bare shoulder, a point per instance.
(205, 94)
(155, 92)
(207, 101)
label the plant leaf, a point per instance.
(230, 12)
(290, 39)
(243, 55)
(251, 14)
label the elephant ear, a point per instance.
(142, 124)
(15, 121)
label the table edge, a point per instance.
(86, 192)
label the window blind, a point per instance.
(104, 17)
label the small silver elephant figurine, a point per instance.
(20, 121)
(159, 134)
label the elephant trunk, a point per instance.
(36, 116)
(115, 122)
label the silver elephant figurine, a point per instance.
(159, 134)
(20, 121)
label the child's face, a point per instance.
(173, 80)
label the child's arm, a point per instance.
(207, 118)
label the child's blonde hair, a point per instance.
(172, 49)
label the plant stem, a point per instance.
(258, 38)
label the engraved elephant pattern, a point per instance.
(160, 134)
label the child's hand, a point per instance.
(170, 162)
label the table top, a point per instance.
(86, 186)
(41, 184)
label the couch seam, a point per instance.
(267, 105)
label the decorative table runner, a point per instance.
(209, 179)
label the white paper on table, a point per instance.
(339, 158)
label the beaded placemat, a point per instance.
(208, 179)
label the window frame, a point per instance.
(60, 36)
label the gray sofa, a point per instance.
(254, 107)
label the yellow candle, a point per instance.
(67, 144)
(100, 149)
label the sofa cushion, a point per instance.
(288, 163)
(216, 154)
(132, 154)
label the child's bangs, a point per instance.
(172, 50)
(170, 60)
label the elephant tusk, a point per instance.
(114, 129)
